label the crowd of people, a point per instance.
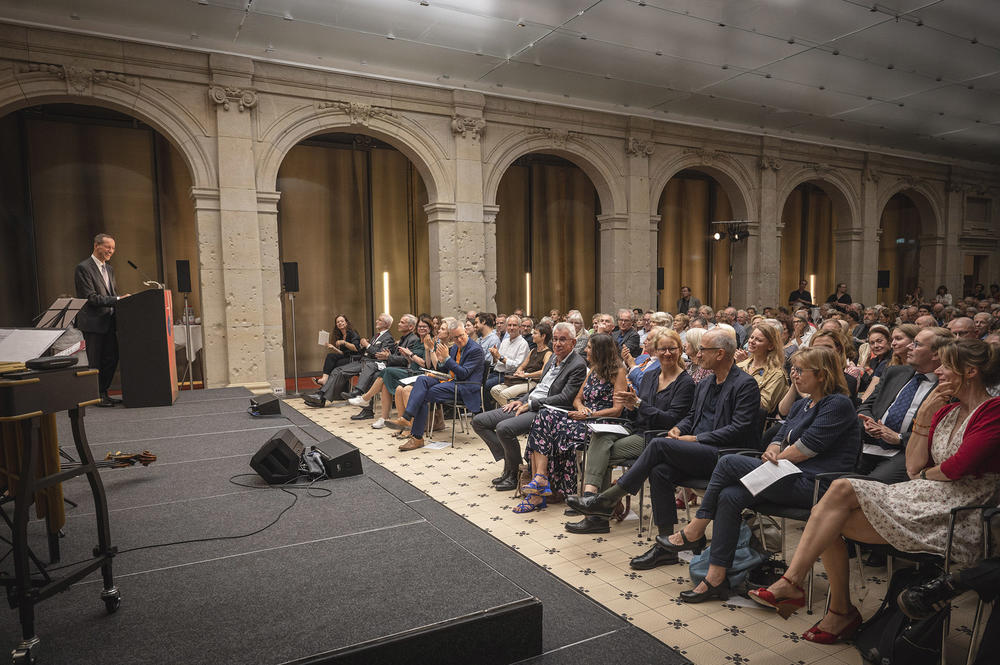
(902, 394)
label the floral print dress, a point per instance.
(556, 435)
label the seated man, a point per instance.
(561, 379)
(408, 340)
(465, 362)
(627, 336)
(371, 362)
(509, 355)
(887, 414)
(724, 415)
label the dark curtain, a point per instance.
(808, 249)
(899, 250)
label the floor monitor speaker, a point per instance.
(265, 405)
(340, 458)
(277, 461)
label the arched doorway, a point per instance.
(899, 257)
(687, 252)
(71, 171)
(547, 236)
(808, 250)
(351, 214)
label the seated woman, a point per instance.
(345, 343)
(838, 343)
(664, 397)
(555, 435)
(516, 384)
(879, 355)
(691, 347)
(388, 379)
(765, 363)
(953, 459)
(902, 337)
(636, 367)
(820, 435)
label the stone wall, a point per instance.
(234, 119)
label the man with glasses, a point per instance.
(561, 379)
(887, 414)
(627, 336)
(724, 415)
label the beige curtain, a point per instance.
(685, 250)
(547, 225)
(808, 249)
(899, 250)
(345, 229)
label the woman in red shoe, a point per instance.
(821, 435)
(953, 458)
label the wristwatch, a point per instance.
(923, 474)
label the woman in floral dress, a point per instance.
(555, 435)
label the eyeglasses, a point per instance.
(669, 349)
(710, 348)
(796, 370)
(562, 339)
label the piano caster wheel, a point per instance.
(21, 657)
(112, 600)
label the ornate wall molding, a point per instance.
(636, 147)
(466, 125)
(79, 80)
(560, 137)
(766, 162)
(360, 114)
(707, 156)
(911, 181)
(871, 175)
(976, 188)
(245, 97)
(820, 168)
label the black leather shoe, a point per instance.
(721, 592)
(506, 472)
(364, 414)
(315, 400)
(597, 505)
(656, 556)
(589, 524)
(920, 602)
(108, 402)
(696, 546)
(507, 483)
(113, 400)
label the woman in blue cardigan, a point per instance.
(820, 435)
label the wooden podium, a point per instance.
(146, 349)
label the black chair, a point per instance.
(460, 412)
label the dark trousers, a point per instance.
(426, 389)
(491, 380)
(334, 361)
(726, 497)
(984, 578)
(664, 462)
(102, 355)
(339, 380)
(500, 429)
(889, 470)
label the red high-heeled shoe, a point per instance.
(786, 607)
(818, 636)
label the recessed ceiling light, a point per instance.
(975, 40)
(584, 37)
(390, 36)
(836, 51)
(659, 53)
(288, 16)
(791, 40)
(195, 35)
(521, 23)
(75, 16)
(424, 3)
(446, 76)
(890, 66)
(822, 87)
(920, 22)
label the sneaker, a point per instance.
(378, 424)
(358, 401)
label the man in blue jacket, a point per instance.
(725, 414)
(465, 362)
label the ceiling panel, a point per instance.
(958, 101)
(566, 52)
(968, 18)
(786, 95)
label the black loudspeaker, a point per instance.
(659, 280)
(183, 276)
(883, 279)
(277, 461)
(291, 276)
(340, 458)
(265, 405)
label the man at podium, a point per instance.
(95, 282)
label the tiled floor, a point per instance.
(711, 633)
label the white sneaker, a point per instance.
(358, 401)
(378, 424)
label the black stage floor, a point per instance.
(376, 558)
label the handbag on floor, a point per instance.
(749, 556)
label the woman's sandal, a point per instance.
(527, 507)
(818, 636)
(534, 488)
(319, 384)
(786, 607)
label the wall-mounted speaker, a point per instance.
(183, 276)
(290, 270)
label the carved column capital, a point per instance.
(636, 147)
(766, 162)
(244, 97)
(468, 125)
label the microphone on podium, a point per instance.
(148, 282)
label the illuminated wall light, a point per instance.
(385, 291)
(812, 286)
(527, 293)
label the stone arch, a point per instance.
(926, 199)
(130, 97)
(731, 175)
(419, 146)
(592, 160)
(836, 185)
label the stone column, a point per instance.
(851, 251)
(490, 236)
(953, 269)
(270, 271)
(239, 228)
(862, 282)
(213, 292)
(767, 285)
(744, 288)
(615, 256)
(640, 265)
(653, 240)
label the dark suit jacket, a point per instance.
(98, 315)
(629, 339)
(736, 414)
(469, 370)
(892, 381)
(692, 302)
(412, 342)
(385, 343)
(567, 384)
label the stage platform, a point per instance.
(374, 572)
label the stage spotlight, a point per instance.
(717, 235)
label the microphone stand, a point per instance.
(188, 346)
(295, 355)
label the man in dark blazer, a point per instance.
(725, 414)
(887, 414)
(366, 367)
(465, 361)
(409, 339)
(627, 336)
(687, 301)
(95, 282)
(561, 379)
